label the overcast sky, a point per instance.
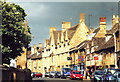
(42, 15)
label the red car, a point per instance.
(37, 74)
(76, 75)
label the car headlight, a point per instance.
(97, 78)
(65, 74)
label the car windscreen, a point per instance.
(67, 70)
(114, 70)
(98, 73)
(76, 72)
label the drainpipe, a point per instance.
(115, 51)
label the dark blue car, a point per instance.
(65, 72)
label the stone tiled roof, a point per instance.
(96, 30)
(108, 44)
(55, 33)
(98, 41)
(71, 31)
(35, 55)
(48, 42)
(114, 28)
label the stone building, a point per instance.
(77, 47)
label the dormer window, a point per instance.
(56, 47)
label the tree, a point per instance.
(15, 31)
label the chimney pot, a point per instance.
(102, 19)
(82, 17)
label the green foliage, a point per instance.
(15, 32)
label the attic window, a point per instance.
(55, 47)
(48, 49)
(61, 42)
(58, 43)
(66, 40)
(37, 48)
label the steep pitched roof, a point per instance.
(96, 30)
(98, 41)
(114, 28)
(71, 31)
(79, 35)
(55, 33)
(108, 44)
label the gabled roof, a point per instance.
(108, 44)
(55, 33)
(98, 41)
(96, 30)
(79, 34)
(114, 28)
(71, 31)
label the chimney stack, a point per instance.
(102, 20)
(102, 23)
(40, 45)
(115, 19)
(82, 17)
(52, 29)
(66, 25)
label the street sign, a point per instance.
(69, 58)
(95, 57)
(80, 58)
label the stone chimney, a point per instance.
(66, 25)
(115, 19)
(102, 22)
(51, 30)
(40, 45)
(82, 17)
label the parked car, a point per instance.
(65, 72)
(32, 73)
(54, 74)
(36, 74)
(97, 76)
(109, 73)
(116, 77)
(76, 75)
(47, 74)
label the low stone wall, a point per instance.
(10, 74)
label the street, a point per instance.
(56, 80)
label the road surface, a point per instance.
(56, 80)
